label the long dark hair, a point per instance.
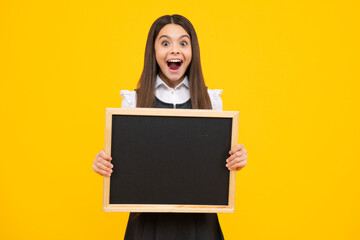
(146, 86)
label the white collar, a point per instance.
(159, 82)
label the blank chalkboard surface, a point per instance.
(169, 160)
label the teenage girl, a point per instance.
(172, 78)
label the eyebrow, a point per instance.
(166, 36)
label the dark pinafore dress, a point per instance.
(173, 226)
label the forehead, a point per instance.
(173, 31)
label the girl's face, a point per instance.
(173, 53)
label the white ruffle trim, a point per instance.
(129, 99)
(215, 98)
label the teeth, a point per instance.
(174, 60)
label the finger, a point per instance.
(238, 165)
(236, 148)
(235, 155)
(235, 161)
(99, 165)
(103, 155)
(100, 171)
(104, 162)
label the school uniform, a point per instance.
(173, 226)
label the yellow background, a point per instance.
(289, 67)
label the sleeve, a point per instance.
(215, 99)
(129, 99)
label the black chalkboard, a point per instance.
(165, 160)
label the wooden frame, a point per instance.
(229, 208)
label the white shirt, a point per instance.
(179, 94)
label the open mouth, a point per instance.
(174, 64)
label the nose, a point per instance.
(175, 50)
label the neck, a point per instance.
(170, 83)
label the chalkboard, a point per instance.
(168, 160)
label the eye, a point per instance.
(183, 43)
(165, 43)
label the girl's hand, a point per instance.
(238, 158)
(102, 164)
